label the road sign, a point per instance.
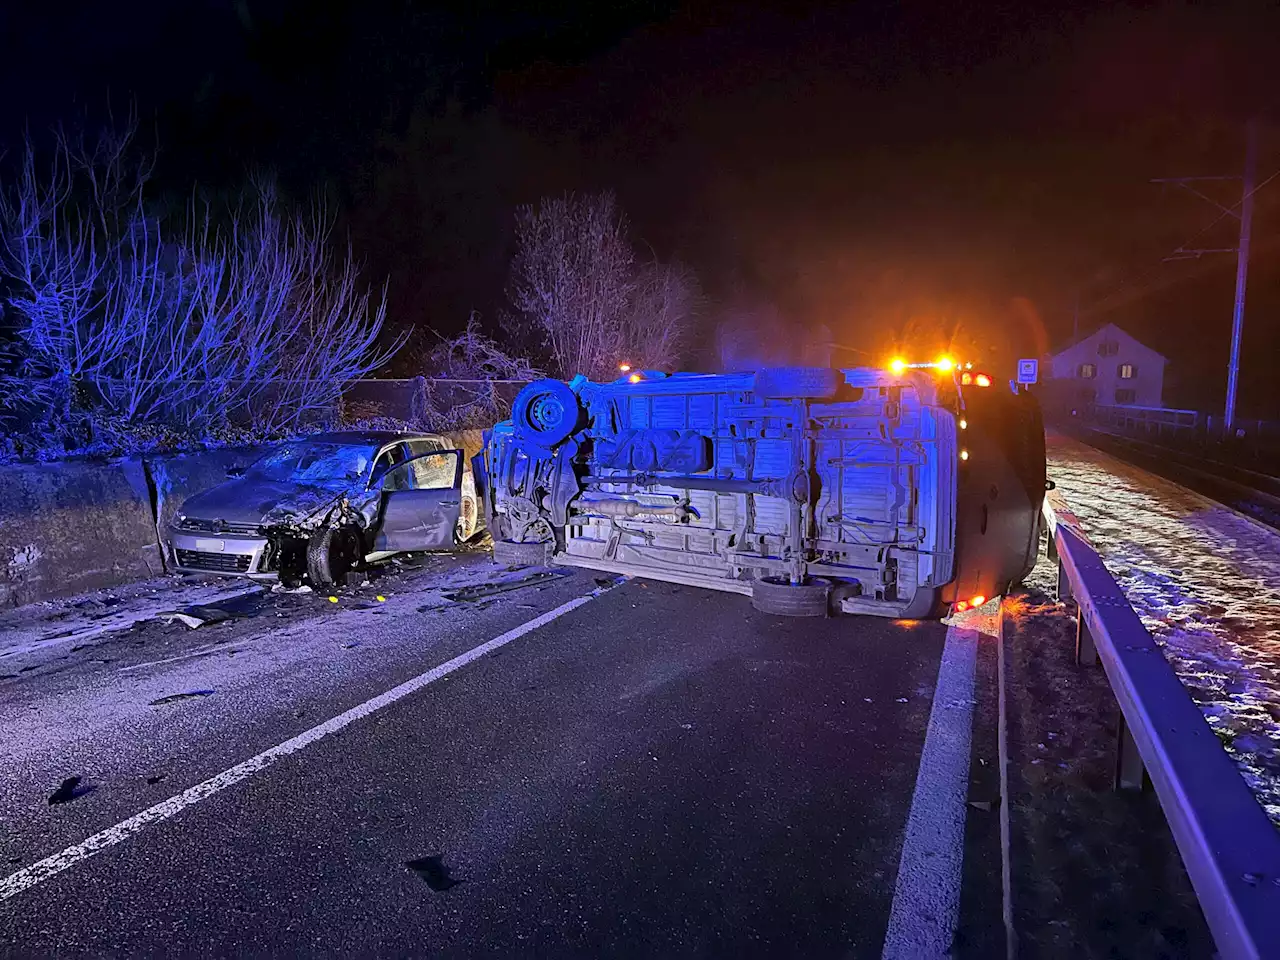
(1028, 371)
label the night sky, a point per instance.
(929, 173)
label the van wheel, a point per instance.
(332, 553)
(779, 596)
(546, 413)
(805, 383)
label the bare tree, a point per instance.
(118, 323)
(572, 280)
(61, 234)
(301, 324)
(665, 303)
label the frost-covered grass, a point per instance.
(1206, 582)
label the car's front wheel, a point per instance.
(332, 553)
(468, 517)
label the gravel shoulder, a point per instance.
(1095, 872)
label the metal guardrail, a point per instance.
(1230, 848)
(1150, 420)
(1159, 422)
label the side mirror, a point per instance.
(235, 471)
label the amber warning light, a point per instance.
(897, 366)
(971, 604)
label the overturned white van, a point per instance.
(810, 490)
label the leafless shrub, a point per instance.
(473, 381)
(120, 322)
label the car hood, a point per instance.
(259, 501)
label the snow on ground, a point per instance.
(1206, 582)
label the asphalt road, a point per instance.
(648, 770)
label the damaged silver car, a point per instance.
(325, 505)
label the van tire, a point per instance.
(781, 597)
(511, 553)
(806, 383)
(545, 413)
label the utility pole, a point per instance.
(1245, 215)
(1242, 272)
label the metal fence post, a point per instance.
(1130, 772)
(1086, 652)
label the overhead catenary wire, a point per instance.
(1109, 302)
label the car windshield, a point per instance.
(314, 462)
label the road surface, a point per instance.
(575, 767)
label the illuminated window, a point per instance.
(1108, 348)
(1127, 371)
(1087, 371)
(1126, 396)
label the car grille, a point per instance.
(217, 562)
(200, 525)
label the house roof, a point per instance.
(1075, 341)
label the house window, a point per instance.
(1127, 371)
(1126, 396)
(1108, 348)
(1087, 371)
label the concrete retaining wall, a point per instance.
(69, 527)
(72, 526)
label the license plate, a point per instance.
(211, 546)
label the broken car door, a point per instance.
(421, 502)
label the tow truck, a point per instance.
(910, 491)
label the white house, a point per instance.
(1108, 367)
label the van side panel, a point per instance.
(697, 479)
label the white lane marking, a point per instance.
(1006, 859)
(926, 897)
(42, 870)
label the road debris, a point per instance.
(477, 590)
(433, 870)
(281, 588)
(68, 790)
(175, 697)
